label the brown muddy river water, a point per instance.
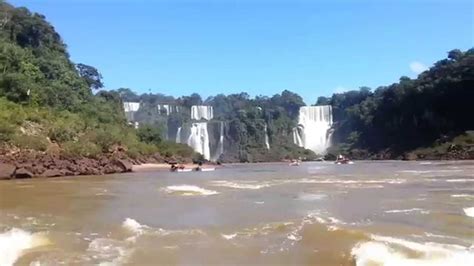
(368, 213)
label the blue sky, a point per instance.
(261, 47)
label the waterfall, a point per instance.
(130, 108)
(165, 107)
(178, 135)
(199, 139)
(168, 108)
(297, 136)
(267, 141)
(313, 128)
(199, 112)
(220, 145)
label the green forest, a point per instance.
(46, 99)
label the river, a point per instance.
(368, 213)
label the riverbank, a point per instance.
(443, 152)
(17, 163)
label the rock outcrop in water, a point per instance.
(29, 163)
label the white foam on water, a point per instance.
(189, 190)
(171, 247)
(15, 242)
(460, 180)
(294, 237)
(428, 234)
(133, 226)
(228, 237)
(333, 228)
(469, 211)
(259, 202)
(409, 210)
(462, 196)
(415, 171)
(109, 251)
(311, 197)
(241, 185)
(348, 181)
(388, 251)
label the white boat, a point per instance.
(195, 169)
(344, 162)
(207, 169)
(184, 170)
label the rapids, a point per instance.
(368, 213)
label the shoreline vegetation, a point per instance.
(55, 119)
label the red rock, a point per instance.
(125, 165)
(23, 173)
(7, 170)
(52, 173)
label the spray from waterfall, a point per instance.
(220, 145)
(267, 140)
(313, 128)
(297, 136)
(199, 139)
(178, 135)
(130, 109)
(221, 140)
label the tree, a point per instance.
(323, 100)
(128, 95)
(149, 134)
(91, 75)
(193, 99)
(455, 54)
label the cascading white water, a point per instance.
(267, 140)
(168, 108)
(199, 139)
(199, 112)
(313, 127)
(297, 137)
(165, 107)
(220, 145)
(130, 108)
(178, 135)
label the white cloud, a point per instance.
(417, 67)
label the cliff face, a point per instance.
(250, 134)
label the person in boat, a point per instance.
(199, 167)
(342, 159)
(294, 162)
(174, 167)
